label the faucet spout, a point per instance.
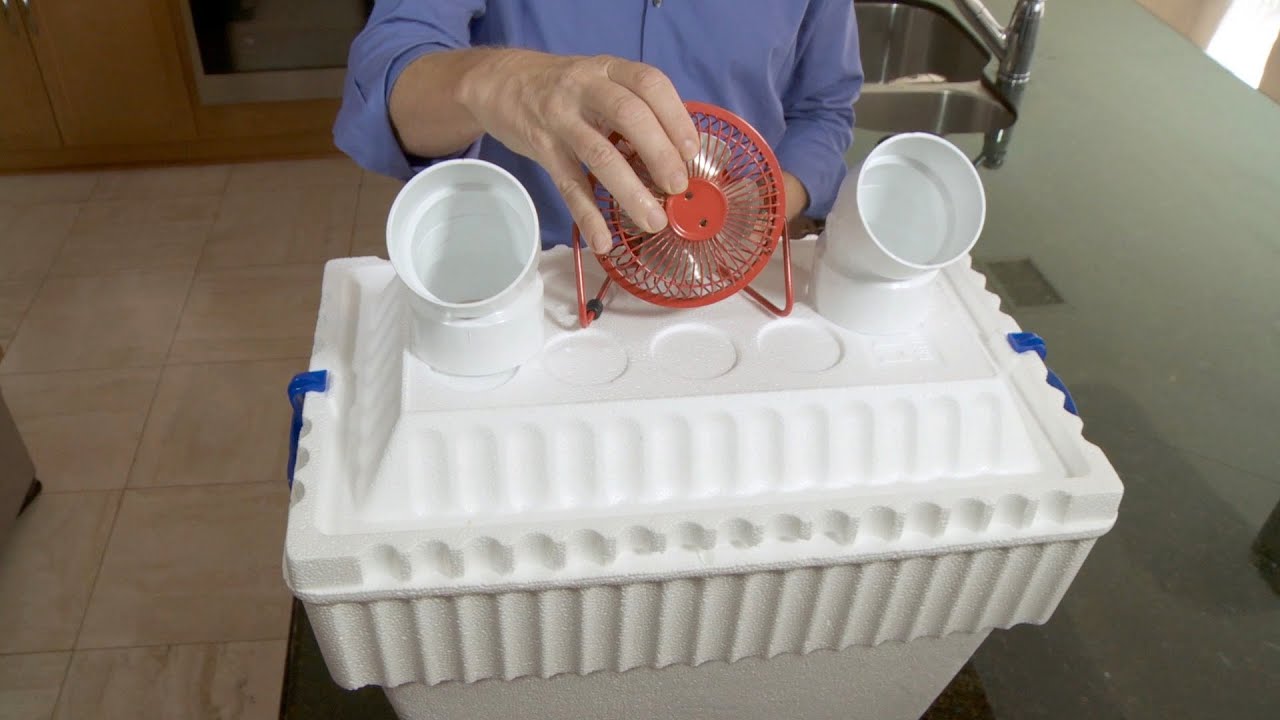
(993, 34)
(1013, 44)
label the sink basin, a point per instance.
(942, 109)
(911, 38)
(904, 38)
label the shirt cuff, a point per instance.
(809, 154)
(416, 163)
(364, 130)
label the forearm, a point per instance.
(819, 103)
(396, 35)
(812, 151)
(428, 105)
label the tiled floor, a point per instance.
(150, 320)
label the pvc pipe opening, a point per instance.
(463, 236)
(914, 206)
(921, 202)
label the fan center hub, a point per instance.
(699, 212)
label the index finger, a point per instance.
(656, 89)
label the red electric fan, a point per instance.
(720, 232)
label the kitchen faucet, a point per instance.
(1013, 45)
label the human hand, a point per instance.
(797, 196)
(559, 110)
(798, 224)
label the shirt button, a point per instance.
(657, 3)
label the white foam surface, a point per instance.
(662, 447)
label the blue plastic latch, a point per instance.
(1024, 342)
(302, 383)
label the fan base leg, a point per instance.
(789, 290)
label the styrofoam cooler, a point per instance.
(671, 511)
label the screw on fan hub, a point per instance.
(699, 212)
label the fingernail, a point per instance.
(677, 182)
(690, 149)
(656, 218)
(599, 243)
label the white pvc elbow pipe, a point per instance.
(463, 237)
(913, 207)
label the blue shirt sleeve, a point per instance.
(397, 33)
(819, 102)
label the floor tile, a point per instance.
(377, 193)
(369, 240)
(15, 298)
(109, 321)
(192, 564)
(162, 182)
(376, 196)
(259, 313)
(30, 238)
(47, 187)
(47, 566)
(29, 684)
(223, 423)
(151, 234)
(273, 176)
(232, 681)
(371, 177)
(82, 428)
(282, 226)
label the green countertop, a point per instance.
(1143, 181)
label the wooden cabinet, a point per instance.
(111, 82)
(26, 117)
(111, 70)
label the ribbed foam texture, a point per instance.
(678, 487)
(646, 453)
(690, 621)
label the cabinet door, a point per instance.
(26, 119)
(111, 69)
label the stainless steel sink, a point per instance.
(943, 109)
(904, 40)
(901, 39)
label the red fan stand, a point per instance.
(720, 232)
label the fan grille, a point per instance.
(680, 266)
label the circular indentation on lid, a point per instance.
(696, 352)
(585, 357)
(478, 383)
(800, 346)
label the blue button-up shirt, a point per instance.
(791, 68)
